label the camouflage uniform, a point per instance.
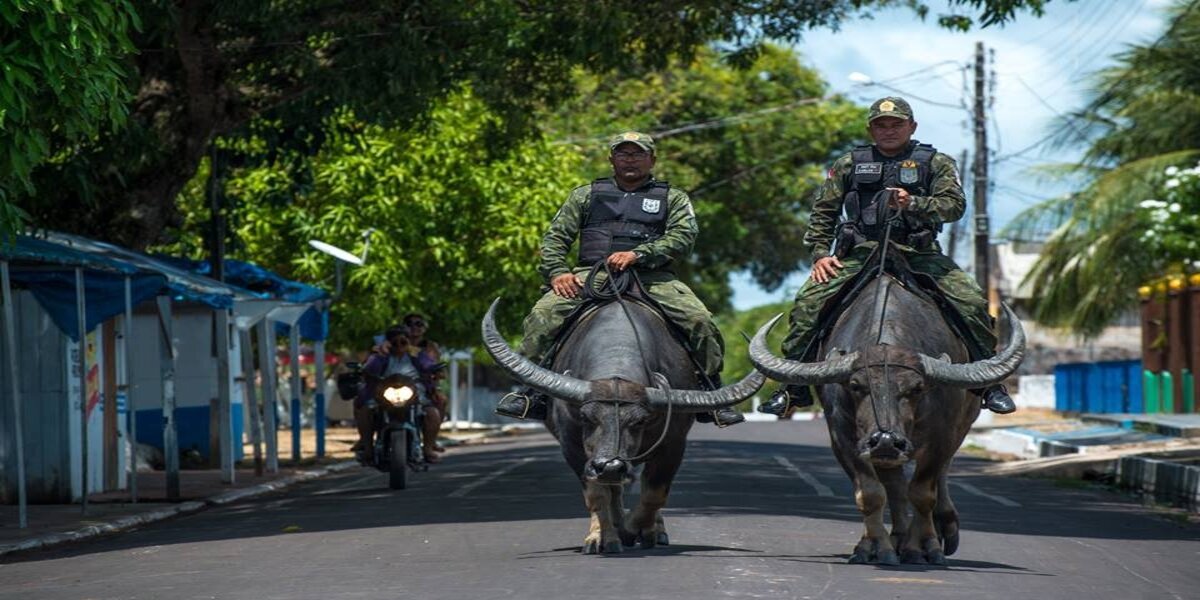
(945, 204)
(654, 258)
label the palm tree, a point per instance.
(1144, 116)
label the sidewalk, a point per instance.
(111, 512)
(1157, 456)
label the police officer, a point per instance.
(629, 220)
(896, 173)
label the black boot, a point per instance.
(722, 417)
(996, 399)
(523, 404)
(790, 395)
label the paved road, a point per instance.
(759, 511)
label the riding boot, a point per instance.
(722, 417)
(526, 403)
(996, 399)
(799, 396)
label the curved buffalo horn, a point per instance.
(524, 370)
(981, 373)
(705, 401)
(831, 370)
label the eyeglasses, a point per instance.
(638, 155)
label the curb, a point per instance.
(185, 508)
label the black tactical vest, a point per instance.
(865, 198)
(618, 220)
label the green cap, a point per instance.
(891, 106)
(632, 137)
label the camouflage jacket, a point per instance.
(945, 204)
(564, 229)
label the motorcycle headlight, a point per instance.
(399, 395)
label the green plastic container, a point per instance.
(1151, 392)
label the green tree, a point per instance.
(1144, 118)
(208, 68)
(64, 82)
(458, 224)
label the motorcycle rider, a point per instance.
(393, 360)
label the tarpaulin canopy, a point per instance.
(183, 285)
(47, 270)
(313, 320)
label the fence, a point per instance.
(1171, 344)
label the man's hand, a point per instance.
(619, 261)
(567, 285)
(825, 269)
(901, 199)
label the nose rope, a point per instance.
(885, 292)
(614, 288)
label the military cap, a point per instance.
(643, 141)
(890, 106)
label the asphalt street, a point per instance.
(760, 510)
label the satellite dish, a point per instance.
(335, 252)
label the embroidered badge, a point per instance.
(908, 174)
(651, 205)
(887, 106)
(872, 168)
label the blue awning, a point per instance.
(313, 324)
(47, 270)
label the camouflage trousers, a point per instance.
(959, 288)
(682, 307)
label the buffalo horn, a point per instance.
(524, 370)
(831, 370)
(705, 401)
(981, 373)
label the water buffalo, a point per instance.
(617, 360)
(887, 402)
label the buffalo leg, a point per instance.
(870, 496)
(645, 521)
(602, 533)
(922, 544)
(946, 516)
(897, 498)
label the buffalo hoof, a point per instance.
(860, 557)
(663, 539)
(888, 557)
(936, 557)
(613, 547)
(950, 544)
(912, 557)
(648, 541)
(591, 547)
(628, 538)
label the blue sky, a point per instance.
(1042, 68)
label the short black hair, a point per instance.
(395, 331)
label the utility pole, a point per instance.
(980, 171)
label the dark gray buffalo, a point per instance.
(887, 402)
(605, 377)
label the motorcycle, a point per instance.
(397, 416)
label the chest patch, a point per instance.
(908, 175)
(651, 205)
(871, 168)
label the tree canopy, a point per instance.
(1131, 221)
(203, 69)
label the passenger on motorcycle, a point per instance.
(393, 358)
(428, 356)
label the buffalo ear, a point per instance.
(660, 381)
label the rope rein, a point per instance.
(614, 288)
(885, 292)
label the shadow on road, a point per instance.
(720, 479)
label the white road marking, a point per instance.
(822, 489)
(966, 487)
(466, 489)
